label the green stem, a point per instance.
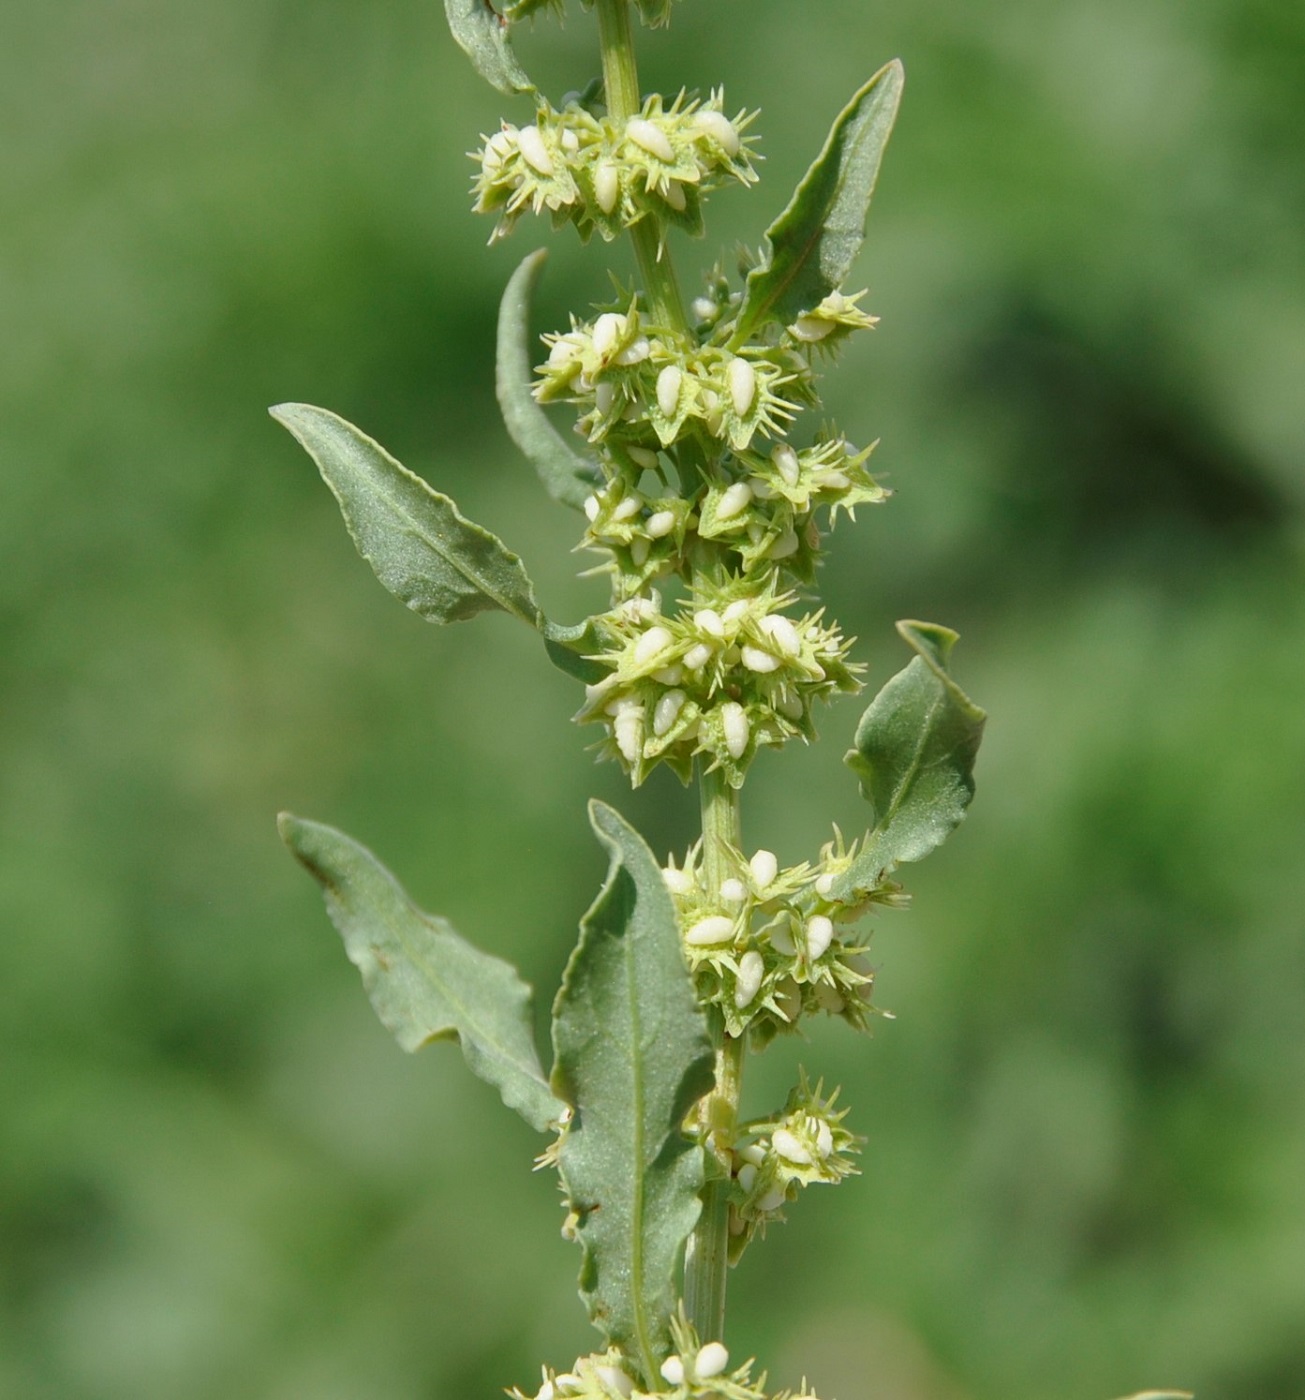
(706, 1258)
(621, 84)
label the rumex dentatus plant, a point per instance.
(707, 480)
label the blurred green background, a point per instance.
(1085, 1168)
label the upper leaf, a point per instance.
(568, 475)
(632, 1058)
(422, 548)
(811, 247)
(425, 981)
(914, 753)
(482, 34)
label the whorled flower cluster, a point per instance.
(605, 176)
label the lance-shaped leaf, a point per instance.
(568, 475)
(914, 753)
(811, 247)
(422, 548)
(632, 1057)
(425, 981)
(482, 34)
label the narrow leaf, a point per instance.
(811, 247)
(914, 753)
(422, 548)
(632, 1057)
(425, 981)
(568, 475)
(482, 34)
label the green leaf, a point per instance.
(568, 475)
(914, 753)
(482, 34)
(422, 548)
(811, 247)
(632, 1058)
(425, 981)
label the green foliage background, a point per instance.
(218, 1176)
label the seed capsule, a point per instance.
(667, 711)
(742, 381)
(734, 500)
(651, 138)
(706, 933)
(668, 390)
(748, 982)
(533, 150)
(710, 1361)
(607, 186)
(734, 721)
(721, 130)
(820, 934)
(763, 867)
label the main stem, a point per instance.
(706, 1257)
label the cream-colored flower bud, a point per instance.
(748, 983)
(763, 867)
(648, 136)
(786, 462)
(704, 308)
(653, 642)
(762, 662)
(719, 127)
(673, 1371)
(534, 151)
(607, 185)
(789, 1147)
(782, 633)
(628, 507)
(733, 891)
(592, 507)
(742, 381)
(673, 194)
(736, 611)
(667, 711)
(708, 620)
(608, 329)
(734, 500)
(677, 881)
(734, 723)
(627, 730)
(820, 934)
(660, 524)
(710, 1361)
(697, 656)
(668, 390)
(708, 932)
(605, 397)
(640, 549)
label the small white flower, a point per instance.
(721, 130)
(673, 1371)
(653, 642)
(706, 933)
(651, 138)
(734, 722)
(708, 620)
(789, 1148)
(533, 150)
(732, 891)
(710, 1361)
(742, 381)
(668, 390)
(704, 308)
(677, 881)
(607, 185)
(667, 711)
(697, 656)
(660, 524)
(763, 867)
(734, 500)
(608, 329)
(820, 934)
(748, 982)
(786, 462)
(782, 632)
(760, 661)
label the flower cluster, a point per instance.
(768, 945)
(723, 674)
(805, 1145)
(604, 175)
